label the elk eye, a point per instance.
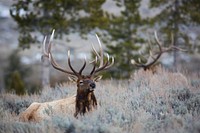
(81, 82)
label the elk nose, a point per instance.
(92, 85)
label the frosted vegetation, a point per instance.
(160, 102)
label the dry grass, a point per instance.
(161, 102)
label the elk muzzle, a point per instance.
(92, 86)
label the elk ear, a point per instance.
(97, 78)
(72, 78)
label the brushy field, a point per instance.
(161, 102)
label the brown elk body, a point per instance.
(85, 99)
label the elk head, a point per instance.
(153, 58)
(85, 98)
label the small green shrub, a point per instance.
(16, 84)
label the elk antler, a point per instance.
(102, 65)
(47, 53)
(154, 58)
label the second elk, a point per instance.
(154, 57)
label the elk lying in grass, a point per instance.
(153, 58)
(85, 99)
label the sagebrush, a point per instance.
(159, 102)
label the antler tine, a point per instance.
(95, 52)
(105, 66)
(45, 54)
(158, 55)
(143, 56)
(157, 41)
(94, 66)
(151, 55)
(149, 42)
(180, 49)
(52, 35)
(137, 64)
(101, 68)
(50, 41)
(101, 51)
(84, 65)
(173, 47)
(69, 62)
(44, 46)
(108, 59)
(112, 62)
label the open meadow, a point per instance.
(160, 102)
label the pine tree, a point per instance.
(84, 17)
(123, 31)
(16, 73)
(16, 84)
(38, 18)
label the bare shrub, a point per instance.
(159, 102)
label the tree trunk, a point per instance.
(45, 73)
(2, 85)
(45, 64)
(176, 19)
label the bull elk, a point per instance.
(85, 99)
(153, 58)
